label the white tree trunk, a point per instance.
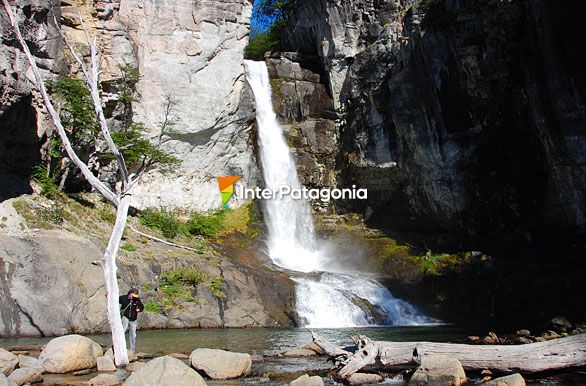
(110, 270)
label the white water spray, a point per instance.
(324, 299)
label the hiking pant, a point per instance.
(130, 325)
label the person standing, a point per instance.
(130, 307)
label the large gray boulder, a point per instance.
(220, 364)
(165, 371)
(510, 380)
(8, 361)
(70, 353)
(438, 370)
(306, 380)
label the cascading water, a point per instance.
(324, 298)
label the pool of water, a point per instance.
(262, 341)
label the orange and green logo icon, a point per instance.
(226, 184)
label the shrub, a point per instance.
(163, 220)
(205, 224)
(187, 276)
(129, 247)
(436, 15)
(45, 180)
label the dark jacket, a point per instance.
(128, 307)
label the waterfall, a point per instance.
(323, 298)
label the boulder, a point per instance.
(26, 361)
(300, 352)
(165, 371)
(510, 380)
(105, 363)
(134, 366)
(8, 361)
(306, 380)
(103, 380)
(314, 347)
(26, 375)
(362, 378)
(70, 353)
(5, 381)
(220, 364)
(560, 323)
(549, 335)
(438, 370)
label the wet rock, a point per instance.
(27, 361)
(8, 361)
(299, 352)
(510, 380)
(473, 339)
(491, 338)
(104, 380)
(165, 371)
(105, 363)
(314, 347)
(144, 355)
(560, 323)
(549, 335)
(81, 372)
(306, 380)
(523, 340)
(362, 378)
(134, 366)
(220, 364)
(179, 356)
(26, 375)
(438, 370)
(5, 381)
(70, 353)
(525, 333)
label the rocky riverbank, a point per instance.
(77, 360)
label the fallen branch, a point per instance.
(527, 358)
(165, 241)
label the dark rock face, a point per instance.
(306, 112)
(467, 121)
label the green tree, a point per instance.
(272, 15)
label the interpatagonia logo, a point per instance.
(226, 184)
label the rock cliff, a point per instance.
(459, 117)
(190, 52)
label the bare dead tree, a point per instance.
(120, 196)
(562, 353)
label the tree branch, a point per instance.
(95, 93)
(91, 178)
(164, 241)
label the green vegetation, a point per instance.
(180, 285)
(261, 43)
(46, 180)
(273, 15)
(206, 224)
(79, 119)
(129, 247)
(164, 220)
(436, 15)
(77, 113)
(210, 225)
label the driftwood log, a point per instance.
(526, 358)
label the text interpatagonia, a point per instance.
(302, 193)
